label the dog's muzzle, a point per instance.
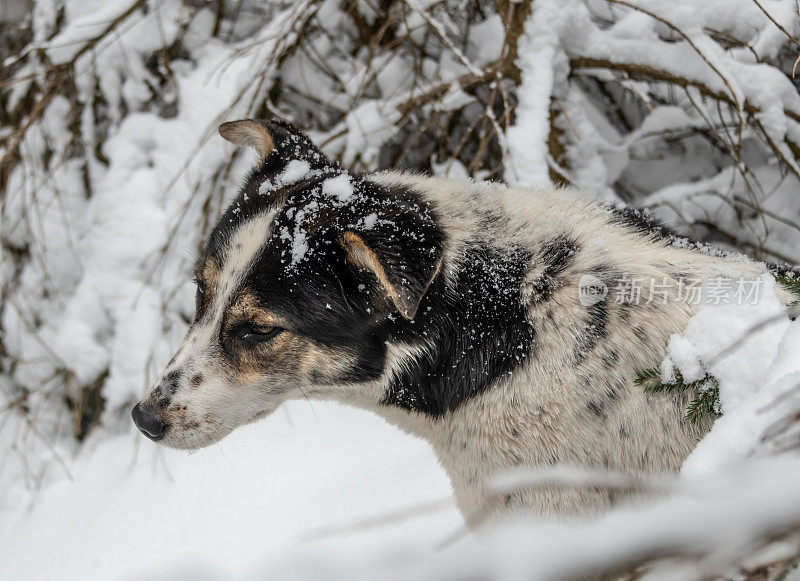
(148, 421)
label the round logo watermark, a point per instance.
(591, 290)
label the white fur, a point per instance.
(219, 407)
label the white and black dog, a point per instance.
(451, 308)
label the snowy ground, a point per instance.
(267, 495)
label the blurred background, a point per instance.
(112, 173)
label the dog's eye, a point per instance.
(256, 333)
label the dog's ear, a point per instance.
(249, 133)
(404, 254)
(277, 142)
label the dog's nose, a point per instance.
(148, 421)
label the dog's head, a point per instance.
(297, 287)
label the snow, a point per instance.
(260, 505)
(486, 40)
(338, 187)
(540, 60)
(299, 242)
(752, 350)
(682, 356)
(370, 221)
(299, 245)
(295, 171)
(368, 126)
(718, 325)
(133, 510)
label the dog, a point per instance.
(456, 310)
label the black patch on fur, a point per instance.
(556, 255)
(611, 358)
(615, 389)
(594, 330)
(172, 382)
(473, 333)
(596, 408)
(624, 311)
(640, 221)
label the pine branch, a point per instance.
(650, 379)
(706, 402)
(790, 281)
(707, 388)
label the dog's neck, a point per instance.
(470, 334)
(371, 396)
(447, 432)
(473, 443)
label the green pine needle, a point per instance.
(790, 281)
(707, 388)
(648, 378)
(706, 402)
